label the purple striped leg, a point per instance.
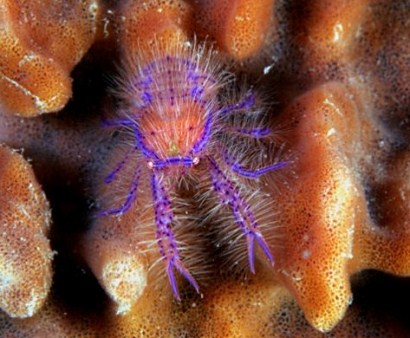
(253, 132)
(240, 170)
(131, 196)
(244, 217)
(118, 123)
(246, 103)
(165, 237)
(113, 174)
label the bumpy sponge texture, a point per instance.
(25, 253)
(41, 42)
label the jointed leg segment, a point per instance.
(132, 194)
(245, 103)
(165, 237)
(243, 215)
(240, 170)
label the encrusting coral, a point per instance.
(25, 253)
(339, 75)
(34, 66)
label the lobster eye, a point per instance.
(195, 160)
(150, 164)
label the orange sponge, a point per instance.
(142, 25)
(239, 27)
(322, 205)
(25, 253)
(41, 42)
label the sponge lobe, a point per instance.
(41, 41)
(25, 253)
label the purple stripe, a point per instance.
(246, 103)
(118, 123)
(130, 197)
(200, 145)
(110, 177)
(139, 140)
(257, 172)
(186, 161)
